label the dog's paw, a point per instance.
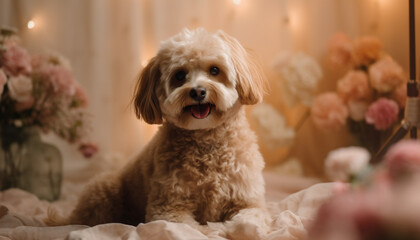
(246, 230)
(249, 224)
(54, 218)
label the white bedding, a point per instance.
(21, 214)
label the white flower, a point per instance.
(58, 59)
(20, 88)
(342, 163)
(357, 109)
(3, 80)
(272, 126)
(300, 74)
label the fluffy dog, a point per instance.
(203, 165)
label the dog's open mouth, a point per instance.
(200, 111)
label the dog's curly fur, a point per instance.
(203, 165)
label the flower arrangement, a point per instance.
(383, 205)
(272, 126)
(345, 164)
(297, 76)
(369, 98)
(300, 74)
(40, 91)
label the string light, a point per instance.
(31, 24)
(236, 2)
(144, 63)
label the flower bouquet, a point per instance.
(383, 204)
(37, 94)
(369, 98)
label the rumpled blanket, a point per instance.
(22, 214)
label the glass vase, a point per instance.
(29, 163)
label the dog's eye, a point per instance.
(214, 70)
(180, 75)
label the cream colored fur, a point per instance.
(194, 170)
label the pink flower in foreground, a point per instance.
(374, 212)
(16, 60)
(382, 113)
(386, 74)
(403, 158)
(351, 215)
(3, 80)
(354, 86)
(61, 79)
(329, 112)
(340, 50)
(366, 50)
(88, 149)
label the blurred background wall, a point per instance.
(108, 42)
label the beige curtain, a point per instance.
(107, 41)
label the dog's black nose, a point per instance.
(198, 94)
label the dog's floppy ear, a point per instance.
(250, 84)
(145, 100)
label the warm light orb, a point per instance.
(31, 24)
(236, 2)
(144, 63)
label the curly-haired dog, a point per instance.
(203, 165)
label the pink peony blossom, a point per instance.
(88, 149)
(366, 50)
(351, 215)
(340, 49)
(374, 212)
(61, 79)
(20, 88)
(382, 113)
(354, 86)
(16, 60)
(385, 75)
(3, 80)
(403, 158)
(329, 112)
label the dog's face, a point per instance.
(197, 81)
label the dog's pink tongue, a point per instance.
(200, 111)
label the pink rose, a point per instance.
(329, 112)
(403, 158)
(340, 50)
(16, 60)
(386, 74)
(351, 215)
(366, 50)
(354, 86)
(20, 88)
(3, 80)
(88, 149)
(382, 113)
(60, 78)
